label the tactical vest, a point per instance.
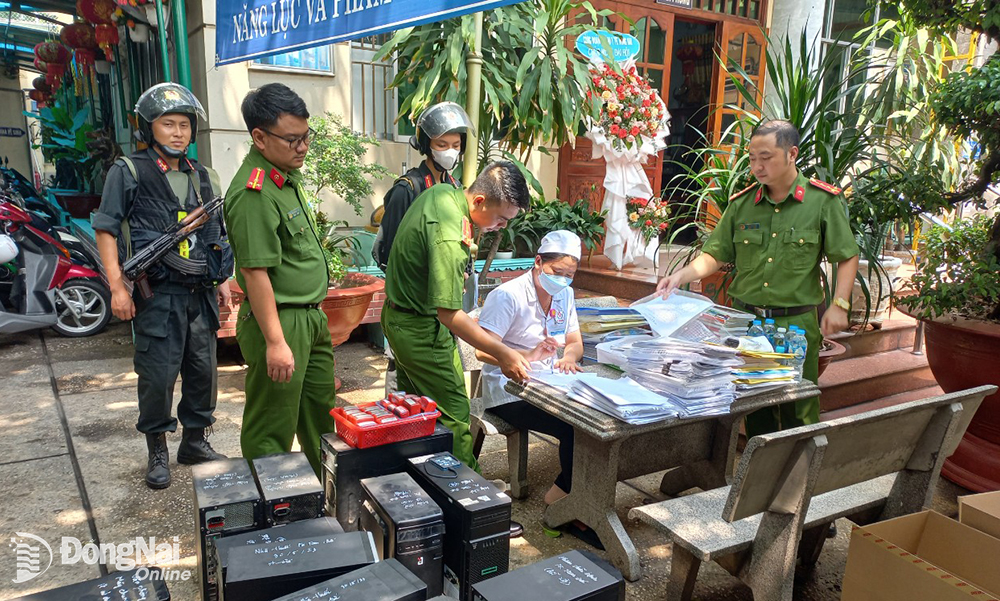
(155, 208)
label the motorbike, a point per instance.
(42, 286)
(43, 217)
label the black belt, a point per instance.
(775, 312)
(396, 307)
(299, 306)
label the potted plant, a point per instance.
(64, 139)
(349, 293)
(335, 164)
(958, 295)
(955, 294)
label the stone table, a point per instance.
(698, 452)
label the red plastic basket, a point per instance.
(404, 429)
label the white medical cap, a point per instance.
(563, 242)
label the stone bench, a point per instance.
(484, 422)
(789, 486)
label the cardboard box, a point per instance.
(982, 512)
(921, 557)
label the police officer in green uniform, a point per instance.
(175, 329)
(777, 233)
(424, 286)
(281, 266)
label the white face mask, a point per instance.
(447, 159)
(554, 284)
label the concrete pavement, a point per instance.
(71, 465)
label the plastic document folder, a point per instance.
(624, 399)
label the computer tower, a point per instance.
(228, 502)
(266, 571)
(120, 586)
(476, 517)
(572, 576)
(383, 581)
(314, 528)
(289, 487)
(406, 524)
(344, 467)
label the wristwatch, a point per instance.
(842, 303)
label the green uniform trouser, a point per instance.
(276, 411)
(798, 413)
(175, 334)
(428, 364)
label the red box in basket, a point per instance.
(405, 428)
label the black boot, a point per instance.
(195, 448)
(158, 470)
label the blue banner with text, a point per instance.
(248, 29)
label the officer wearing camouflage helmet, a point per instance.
(175, 329)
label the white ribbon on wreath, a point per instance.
(626, 178)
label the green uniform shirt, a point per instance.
(271, 225)
(777, 245)
(428, 257)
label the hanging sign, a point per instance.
(11, 132)
(248, 29)
(594, 46)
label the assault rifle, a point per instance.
(136, 267)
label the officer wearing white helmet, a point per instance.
(441, 137)
(175, 329)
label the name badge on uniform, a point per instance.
(749, 226)
(556, 321)
(294, 213)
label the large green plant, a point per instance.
(533, 83)
(967, 104)
(524, 233)
(336, 161)
(64, 137)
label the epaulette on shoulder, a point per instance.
(742, 192)
(830, 188)
(256, 180)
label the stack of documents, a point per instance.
(599, 325)
(696, 377)
(597, 320)
(762, 370)
(559, 380)
(623, 399)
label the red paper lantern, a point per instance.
(97, 12)
(41, 85)
(107, 38)
(79, 35)
(56, 71)
(52, 52)
(85, 57)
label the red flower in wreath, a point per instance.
(614, 130)
(636, 130)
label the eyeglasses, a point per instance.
(294, 143)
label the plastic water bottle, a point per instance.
(755, 329)
(769, 330)
(780, 343)
(798, 346)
